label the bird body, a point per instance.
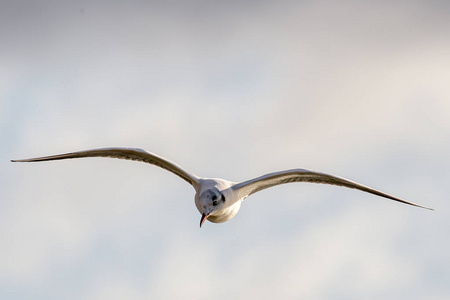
(221, 191)
(216, 199)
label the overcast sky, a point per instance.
(229, 89)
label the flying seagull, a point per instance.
(219, 200)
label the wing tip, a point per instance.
(417, 205)
(23, 160)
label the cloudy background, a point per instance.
(230, 89)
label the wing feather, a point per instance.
(246, 188)
(128, 154)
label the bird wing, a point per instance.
(125, 153)
(246, 188)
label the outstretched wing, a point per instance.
(124, 153)
(252, 186)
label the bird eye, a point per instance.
(214, 197)
(215, 203)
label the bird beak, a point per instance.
(203, 219)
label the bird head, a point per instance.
(211, 201)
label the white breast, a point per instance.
(225, 214)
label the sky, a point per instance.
(234, 90)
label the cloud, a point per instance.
(227, 90)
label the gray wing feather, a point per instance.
(252, 186)
(124, 153)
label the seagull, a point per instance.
(216, 199)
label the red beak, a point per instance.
(203, 219)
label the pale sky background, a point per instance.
(230, 89)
